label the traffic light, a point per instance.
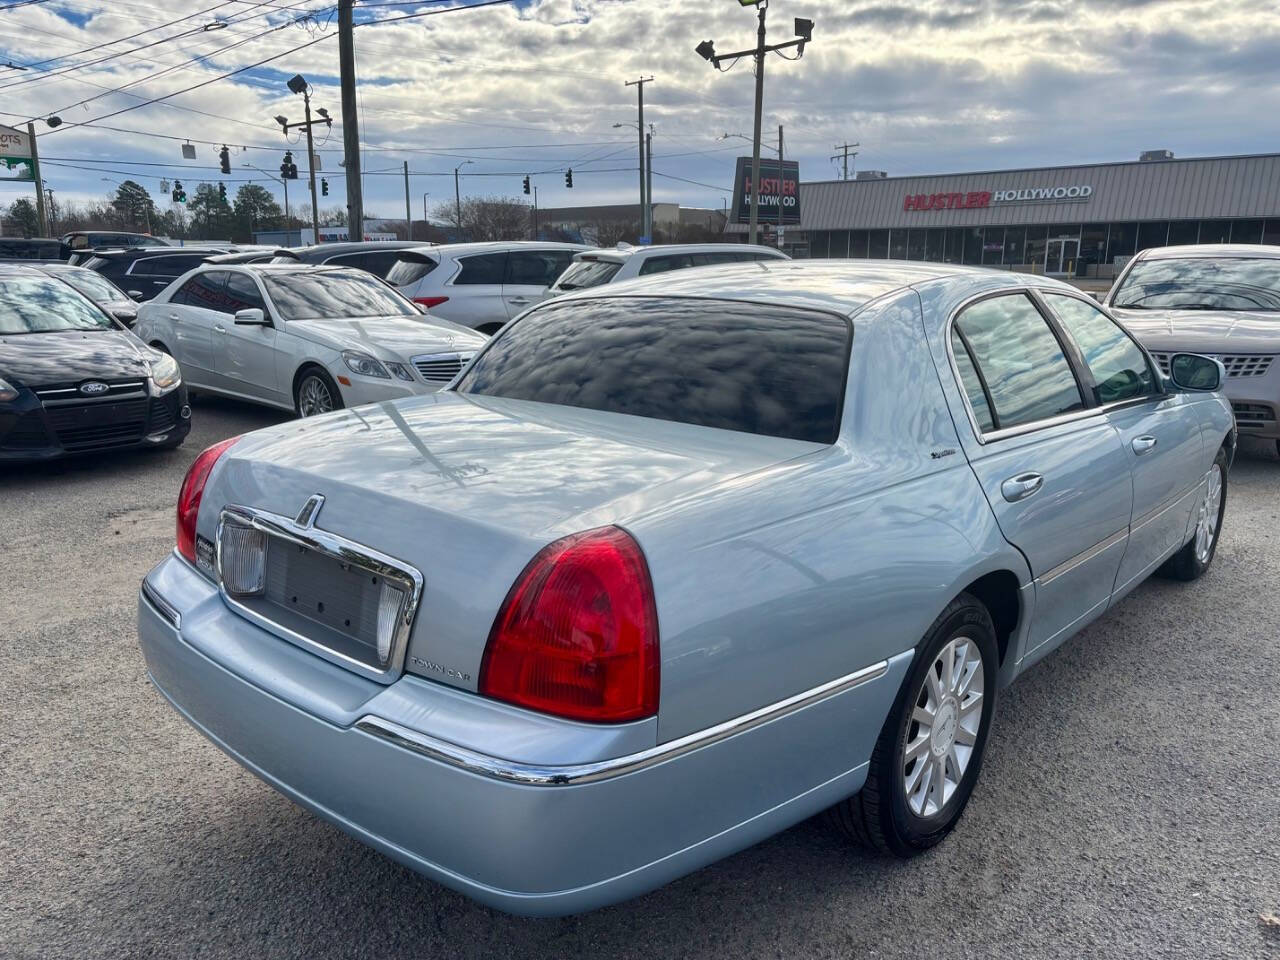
(179, 195)
(288, 169)
(568, 179)
(526, 185)
(224, 159)
(222, 192)
(324, 187)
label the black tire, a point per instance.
(322, 377)
(880, 816)
(1186, 564)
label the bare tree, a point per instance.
(488, 218)
(608, 233)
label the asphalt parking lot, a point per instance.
(1129, 806)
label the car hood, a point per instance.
(1204, 330)
(34, 359)
(390, 338)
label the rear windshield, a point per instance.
(773, 371)
(587, 273)
(30, 249)
(409, 270)
(1202, 283)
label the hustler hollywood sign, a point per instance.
(985, 198)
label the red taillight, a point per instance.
(430, 302)
(578, 633)
(190, 494)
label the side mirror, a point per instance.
(252, 317)
(136, 295)
(1190, 371)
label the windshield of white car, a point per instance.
(587, 273)
(1201, 283)
(45, 305)
(769, 370)
(350, 295)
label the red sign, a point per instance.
(946, 201)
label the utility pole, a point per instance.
(645, 214)
(535, 212)
(35, 173)
(648, 182)
(408, 217)
(350, 121)
(707, 50)
(845, 148)
(781, 178)
(298, 84)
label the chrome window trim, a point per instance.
(985, 437)
(160, 605)
(338, 548)
(536, 775)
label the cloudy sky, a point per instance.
(535, 86)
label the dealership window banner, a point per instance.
(777, 186)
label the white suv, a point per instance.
(480, 285)
(591, 268)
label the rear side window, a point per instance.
(409, 270)
(483, 268)
(1119, 368)
(536, 268)
(378, 262)
(1019, 365)
(174, 266)
(588, 273)
(204, 290)
(768, 370)
(675, 261)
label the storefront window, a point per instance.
(1015, 239)
(933, 245)
(819, 243)
(1246, 231)
(915, 244)
(898, 244)
(1093, 246)
(878, 244)
(973, 246)
(993, 246)
(1034, 252)
(839, 244)
(858, 243)
(1182, 232)
(953, 245)
(1215, 231)
(1271, 232)
(1153, 234)
(1122, 240)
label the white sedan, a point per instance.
(310, 339)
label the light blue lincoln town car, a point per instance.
(678, 563)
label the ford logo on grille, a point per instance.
(93, 387)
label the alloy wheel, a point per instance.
(1207, 518)
(314, 397)
(942, 732)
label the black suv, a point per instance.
(375, 256)
(142, 272)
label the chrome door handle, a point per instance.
(219, 328)
(1020, 487)
(174, 316)
(1143, 445)
(520, 300)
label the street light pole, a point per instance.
(646, 226)
(457, 193)
(424, 209)
(755, 139)
(311, 171)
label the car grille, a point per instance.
(28, 433)
(163, 414)
(440, 367)
(1253, 414)
(53, 395)
(1238, 365)
(99, 424)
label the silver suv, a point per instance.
(1222, 300)
(610, 264)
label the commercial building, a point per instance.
(1079, 221)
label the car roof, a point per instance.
(493, 246)
(840, 286)
(1267, 251)
(623, 252)
(348, 246)
(121, 252)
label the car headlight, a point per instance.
(7, 391)
(399, 369)
(165, 373)
(364, 365)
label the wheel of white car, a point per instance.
(930, 750)
(315, 393)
